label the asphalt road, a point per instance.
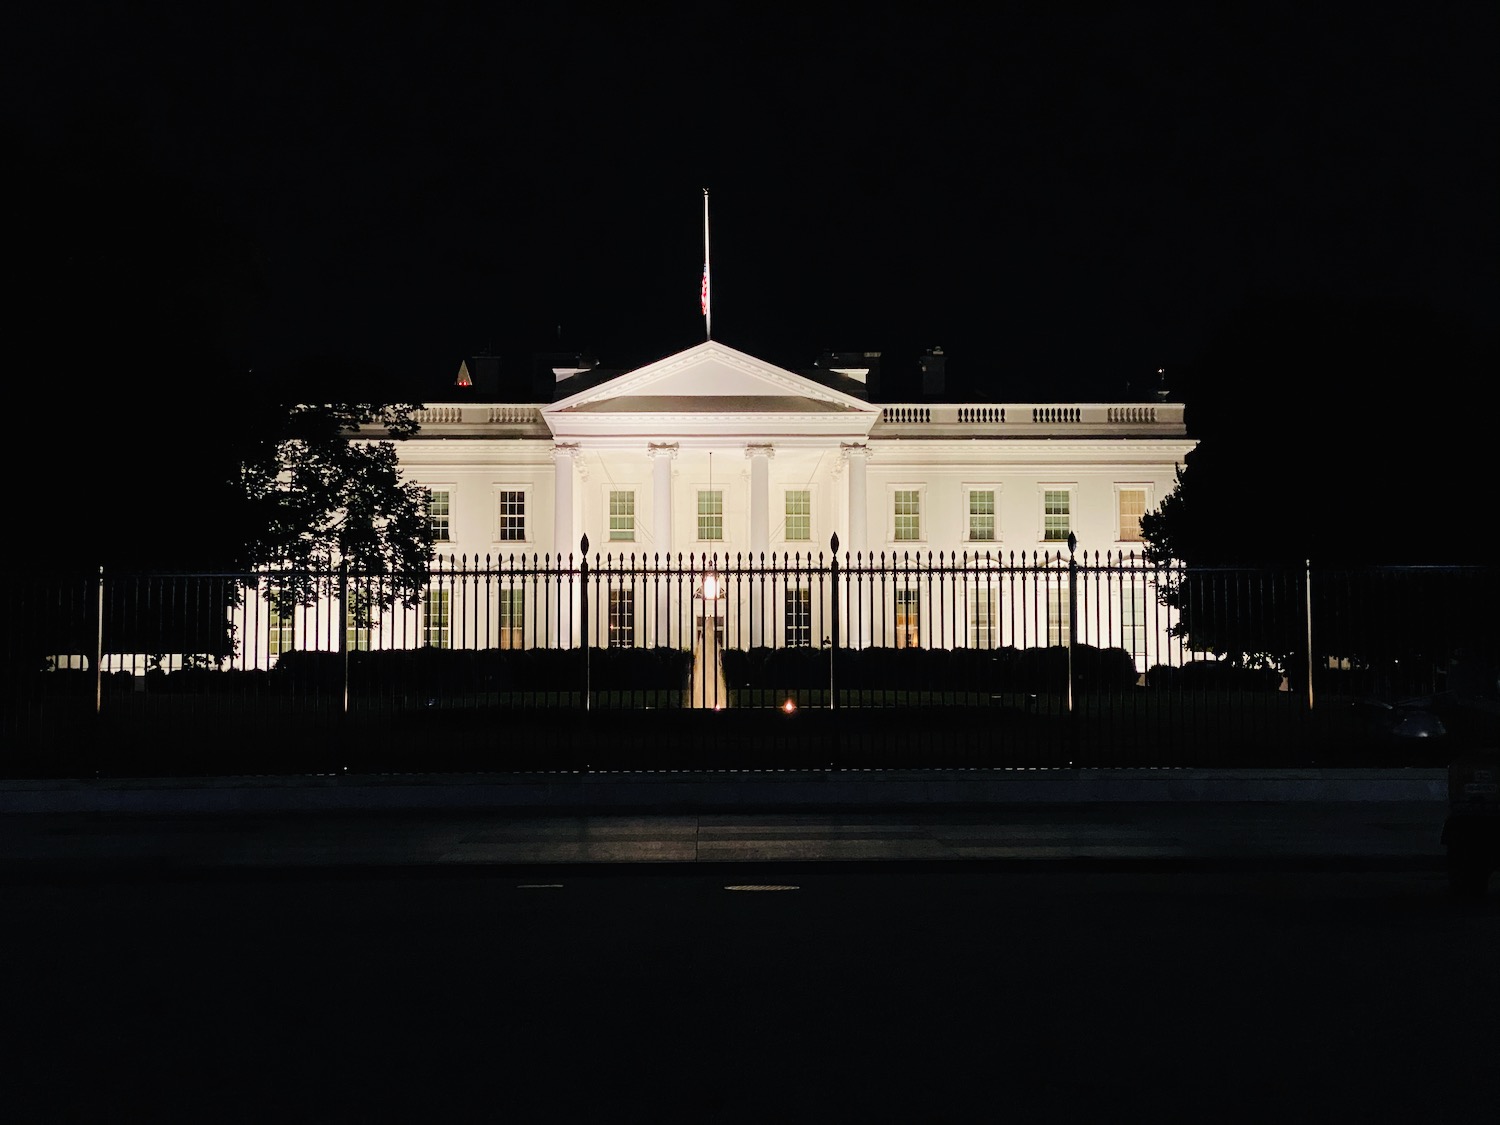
(750, 992)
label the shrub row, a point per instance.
(922, 669)
(459, 671)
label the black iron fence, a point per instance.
(623, 661)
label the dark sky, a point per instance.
(1064, 198)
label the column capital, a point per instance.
(760, 449)
(850, 450)
(665, 449)
(573, 451)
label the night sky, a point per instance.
(1064, 199)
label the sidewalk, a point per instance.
(1229, 818)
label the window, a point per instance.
(281, 630)
(437, 513)
(908, 619)
(982, 616)
(711, 515)
(1057, 505)
(1058, 613)
(982, 515)
(907, 510)
(1132, 505)
(436, 618)
(621, 618)
(798, 516)
(622, 516)
(798, 617)
(1133, 623)
(512, 618)
(512, 522)
(357, 620)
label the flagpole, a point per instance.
(708, 315)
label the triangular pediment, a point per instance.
(710, 378)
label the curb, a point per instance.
(726, 790)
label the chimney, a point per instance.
(934, 378)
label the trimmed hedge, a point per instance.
(457, 671)
(922, 669)
(1212, 675)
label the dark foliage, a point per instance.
(1326, 434)
(932, 670)
(458, 672)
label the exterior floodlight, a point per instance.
(710, 589)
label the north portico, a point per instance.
(696, 441)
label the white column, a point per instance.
(661, 454)
(564, 460)
(856, 455)
(760, 498)
(664, 629)
(759, 457)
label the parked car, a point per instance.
(1471, 832)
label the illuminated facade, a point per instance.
(711, 450)
(712, 458)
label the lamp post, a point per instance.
(710, 589)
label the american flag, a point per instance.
(703, 296)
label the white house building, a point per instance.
(716, 458)
(712, 450)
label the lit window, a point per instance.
(798, 617)
(1133, 623)
(1056, 515)
(1058, 614)
(436, 618)
(1132, 508)
(437, 513)
(799, 515)
(512, 526)
(622, 516)
(282, 629)
(621, 618)
(982, 617)
(512, 618)
(908, 513)
(982, 514)
(908, 619)
(711, 516)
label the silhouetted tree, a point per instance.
(326, 489)
(1332, 431)
(1337, 434)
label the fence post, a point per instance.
(833, 694)
(343, 627)
(99, 646)
(1072, 611)
(1307, 585)
(583, 612)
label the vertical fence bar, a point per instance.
(583, 613)
(833, 647)
(1307, 617)
(99, 644)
